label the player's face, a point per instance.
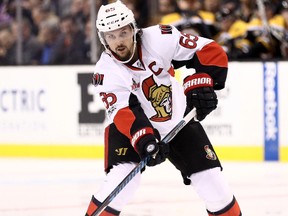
(120, 41)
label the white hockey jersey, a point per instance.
(151, 78)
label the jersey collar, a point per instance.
(138, 65)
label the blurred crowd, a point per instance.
(246, 29)
(54, 32)
(59, 32)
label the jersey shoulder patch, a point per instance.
(97, 79)
(165, 29)
(109, 75)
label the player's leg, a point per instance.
(192, 153)
(113, 178)
(93, 206)
(213, 188)
(120, 159)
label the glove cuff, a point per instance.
(138, 135)
(196, 81)
(146, 146)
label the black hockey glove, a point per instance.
(149, 146)
(160, 156)
(200, 94)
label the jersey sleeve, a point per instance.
(110, 86)
(181, 49)
(122, 106)
(206, 56)
(211, 59)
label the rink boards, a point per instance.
(52, 111)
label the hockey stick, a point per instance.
(143, 163)
(263, 16)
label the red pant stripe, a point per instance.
(232, 209)
(93, 206)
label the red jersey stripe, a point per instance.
(210, 56)
(124, 120)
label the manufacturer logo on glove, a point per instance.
(198, 82)
(138, 134)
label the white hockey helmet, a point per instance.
(114, 16)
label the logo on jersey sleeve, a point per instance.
(97, 79)
(109, 100)
(210, 154)
(165, 29)
(160, 98)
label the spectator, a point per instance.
(263, 43)
(80, 11)
(187, 19)
(208, 13)
(7, 50)
(26, 13)
(247, 10)
(212, 6)
(69, 47)
(42, 13)
(5, 18)
(232, 32)
(279, 29)
(30, 44)
(48, 34)
(166, 7)
(284, 44)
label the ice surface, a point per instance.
(50, 187)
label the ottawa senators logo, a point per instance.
(210, 154)
(160, 98)
(97, 79)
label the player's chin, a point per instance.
(123, 57)
(123, 53)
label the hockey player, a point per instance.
(135, 80)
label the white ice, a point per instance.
(52, 187)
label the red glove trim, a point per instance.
(139, 134)
(196, 81)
